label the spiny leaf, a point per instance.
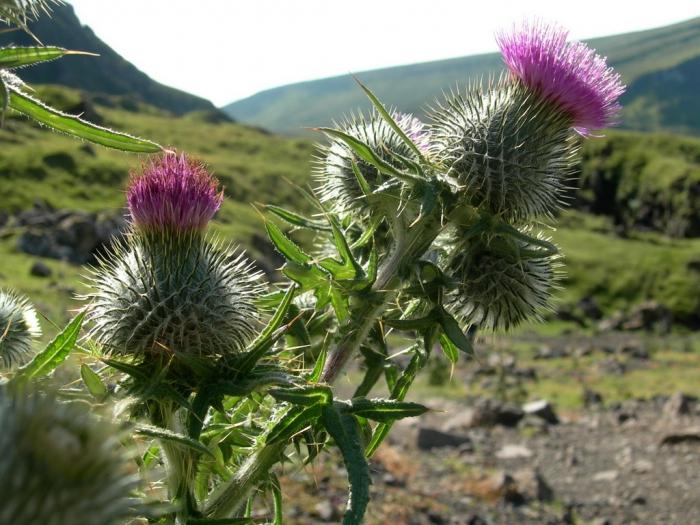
(12, 57)
(454, 332)
(305, 395)
(344, 430)
(390, 120)
(449, 349)
(77, 127)
(385, 410)
(172, 437)
(285, 245)
(296, 219)
(93, 382)
(54, 354)
(220, 521)
(296, 420)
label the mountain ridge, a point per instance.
(288, 109)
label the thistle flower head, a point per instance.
(19, 327)
(173, 193)
(338, 183)
(502, 281)
(61, 465)
(569, 75)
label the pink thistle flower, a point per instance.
(414, 129)
(568, 74)
(173, 193)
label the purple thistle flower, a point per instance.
(173, 193)
(414, 129)
(568, 74)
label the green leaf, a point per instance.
(277, 319)
(172, 437)
(277, 500)
(55, 353)
(288, 248)
(296, 420)
(390, 120)
(93, 382)
(345, 431)
(420, 324)
(449, 349)
(315, 374)
(77, 127)
(454, 332)
(220, 521)
(11, 57)
(361, 181)
(385, 410)
(297, 220)
(305, 395)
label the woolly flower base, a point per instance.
(509, 153)
(338, 185)
(173, 193)
(19, 327)
(569, 75)
(60, 465)
(181, 296)
(502, 281)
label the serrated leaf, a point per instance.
(279, 315)
(288, 248)
(172, 437)
(420, 324)
(390, 120)
(77, 127)
(296, 420)
(305, 395)
(454, 332)
(344, 430)
(12, 57)
(54, 354)
(315, 374)
(296, 219)
(361, 181)
(93, 382)
(385, 410)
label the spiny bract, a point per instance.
(501, 281)
(60, 465)
(178, 294)
(338, 184)
(509, 153)
(19, 327)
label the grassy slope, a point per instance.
(635, 55)
(253, 166)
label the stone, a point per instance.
(547, 352)
(606, 475)
(40, 269)
(485, 413)
(691, 435)
(677, 405)
(326, 511)
(542, 409)
(589, 308)
(430, 438)
(501, 360)
(634, 350)
(532, 486)
(592, 398)
(642, 466)
(514, 452)
(612, 366)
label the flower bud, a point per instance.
(168, 289)
(501, 280)
(19, 327)
(61, 465)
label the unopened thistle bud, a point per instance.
(501, 280)
(338, 184)
(168, 289)
(19, 327)
(61, 465)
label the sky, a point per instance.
(226, 50)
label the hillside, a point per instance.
(107, 74)
(660, 66)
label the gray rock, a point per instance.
(677, 405)
(430, 438)
(532, 485)
(511, 451)
(691, 435)
(326, 511)
(39, 269)
(542, 409)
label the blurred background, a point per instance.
(589, 417)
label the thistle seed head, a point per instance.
(509, 153)
(173, 193)
(19, 327)
(338, 184)
(569, 75)
(181, 295)
(61, 465)
(501, 281)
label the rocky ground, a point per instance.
(637, 463)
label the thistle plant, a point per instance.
(62, 465)
(19, 327)
(428, 230)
